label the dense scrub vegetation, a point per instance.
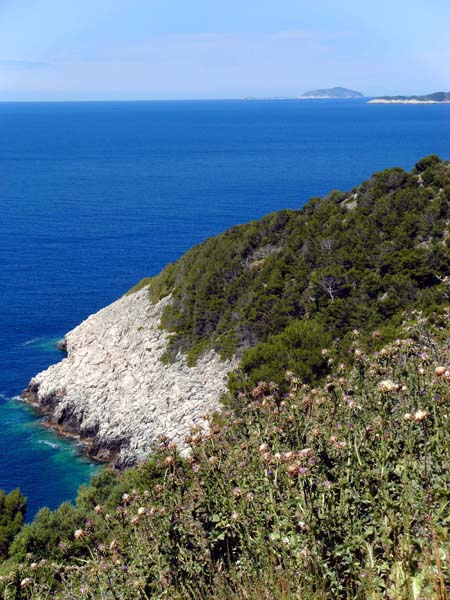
(348, 260)
(337, 491)
(13, 507)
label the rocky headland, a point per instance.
(272, 292)
(113, 389)
(436, 98)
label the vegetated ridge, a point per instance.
(328, 481)
(336, 92)
(276, 290)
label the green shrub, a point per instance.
(13, 507)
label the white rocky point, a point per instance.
(114, 388)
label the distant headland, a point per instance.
(336, 92)
(436, 98)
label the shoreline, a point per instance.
(382, 101)
(86, 444)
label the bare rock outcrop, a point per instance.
(113, 389)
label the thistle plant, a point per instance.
(334, 491)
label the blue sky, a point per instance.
(151, 49)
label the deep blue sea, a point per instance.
(95, 196)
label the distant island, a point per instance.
(336, 92)
(436, 98)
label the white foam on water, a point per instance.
(31, 341)
(47, 443)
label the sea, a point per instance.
(95, 196)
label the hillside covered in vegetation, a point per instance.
(334, 491)
(276, 290)
(327, 476)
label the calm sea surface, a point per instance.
(95, 196)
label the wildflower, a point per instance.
(407, 416)
(34, 566)
(387, 386)
(98, 509)
(295, 469)
(141, 511)
(305, 453)
(169, 460)
(421, 415)
(304, 552)
(79, 533)
(302, 526)
(135, 520)
(197, 439)
(26, 582)
(235, 516)
(237, 492)
(114, 546)
(125, 498)
(440, 371)
(263, 447)
(249, 496)
(376, 333)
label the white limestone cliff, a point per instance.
(114, 390)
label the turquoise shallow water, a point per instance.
(38, 459)
(95, 196)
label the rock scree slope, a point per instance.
(113, 389)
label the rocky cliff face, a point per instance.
(114, 391)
